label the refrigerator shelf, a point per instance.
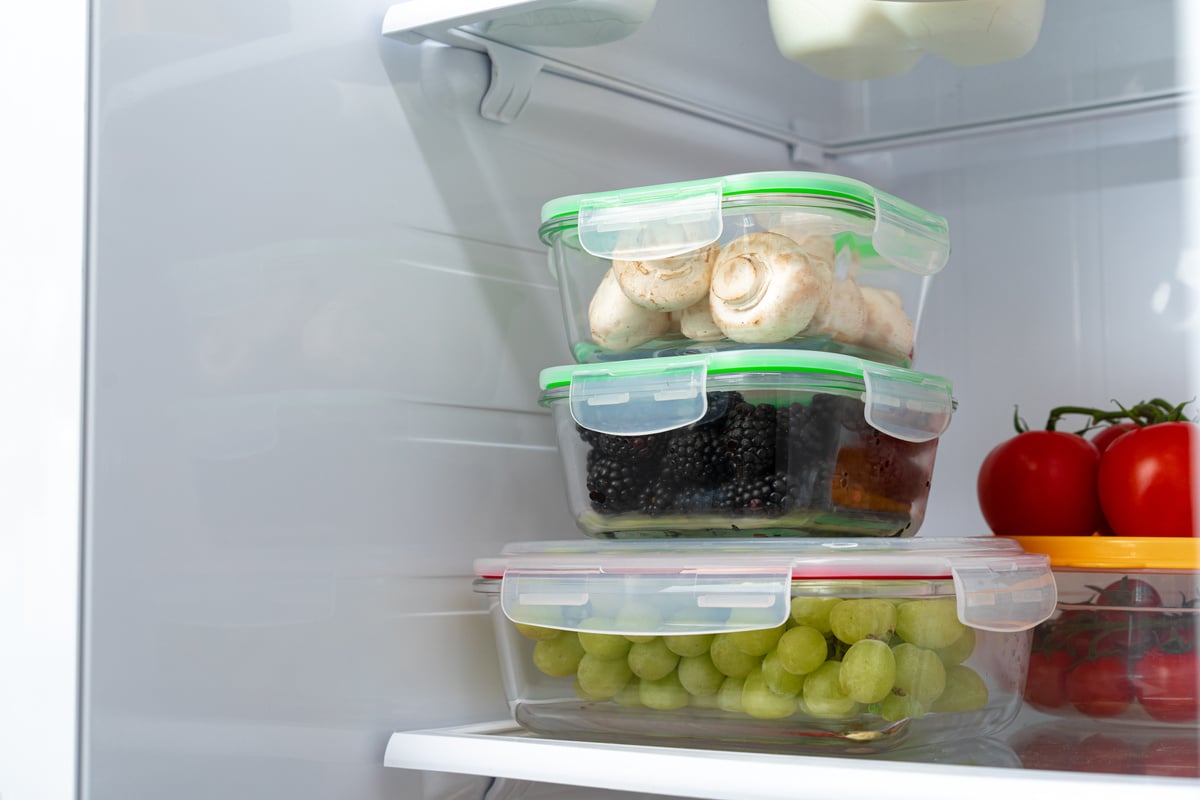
(501, 750)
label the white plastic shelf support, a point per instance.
(415, 20)
(500, 750)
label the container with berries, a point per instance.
(755, 442)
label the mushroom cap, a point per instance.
(766, 287)
(667, 284)
(617, 323)
(889, 329)
(697, 322)
(843, 315)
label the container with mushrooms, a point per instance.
(770, 442)
(785, 259)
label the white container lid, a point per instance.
(714, 586)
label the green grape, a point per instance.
(630, 694)
(896, 707)
(867, 618)
(663, 694)
(823, 695)
(559, 656)
(536, 632)
(637, 616)
(603, 645)
(965, 691)
(778, 679)
(703, 700)
(758, 642)
(802, 649)
(729, 659)
(813, 612)
(651, 660)
(689, 644)
(729, 696)
(919, 673)
(583, 694)
(761, 703)
(868, 671)
(932, 624)
(602, 678)
(960, 650)
(699, 675)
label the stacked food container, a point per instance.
(748, 451)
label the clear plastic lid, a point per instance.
(653, 222)
(643, 396)
(714, 586)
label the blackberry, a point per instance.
(625, 448)
(757, 494)
(613, 485)
(659, 495)
(750, 439)
(697, 456)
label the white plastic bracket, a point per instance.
(513, 70)
(513, 74)
(810, 154)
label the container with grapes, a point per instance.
(862, 645)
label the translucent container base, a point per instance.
(720, 730)
(679, 345)
(801, 523)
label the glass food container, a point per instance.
(850, 645)
(1120, 649)
(737, 443)
(779, 259)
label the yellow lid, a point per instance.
(1116, 552)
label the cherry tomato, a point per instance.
(1172, 757)
(1103, 437)
(1045, 685)
(1129, 592)
(1100, 687)
(1168, 684)
(1145, 481)
(1104, 752)
(1041, 483)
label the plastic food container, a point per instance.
(860, 39)
(856, 645)
(793, 259)
(1083, 746)
(737, 443)
(1121, 647)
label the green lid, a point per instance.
(644, 396)
(665, 220)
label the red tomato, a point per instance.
(1103, 437)
(1145, 481)
(1041, 483)
(1104, 752)
(1129, 592)
(1172, 757)
(1168, 685)
(1045, 686)
(1101, 687)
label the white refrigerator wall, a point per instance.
(318, 308)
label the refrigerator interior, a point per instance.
(317, 306)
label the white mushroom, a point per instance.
(766, 287)
(617, 323)
(889, 329)
(843, 315)
(697, 323)
(667, 284)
